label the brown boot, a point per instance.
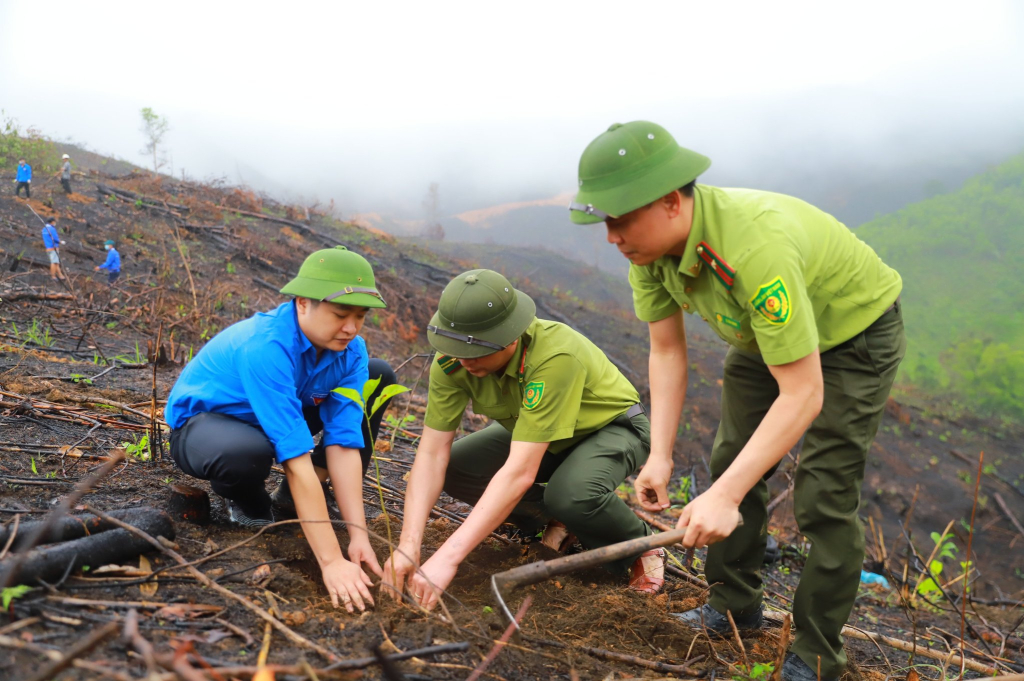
(647, 573)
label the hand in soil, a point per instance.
(397, 569)
(652, 485)
(347, 584)
(709, 518)
(360, 552)
(427, 585)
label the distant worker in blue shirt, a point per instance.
(262, 389)
(24, 179)
(52, 242)
(112, 264)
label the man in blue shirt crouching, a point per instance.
(262, 388)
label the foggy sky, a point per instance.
(367, 105)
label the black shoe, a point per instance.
(282, 501)
(708, 618)
(795, 669)
(247, 519)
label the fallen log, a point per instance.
(30, 295)
(72, 527)
(305, 229)
(50, 563)
(107, 190)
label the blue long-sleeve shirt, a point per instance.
(50, 237)
(113, 261)
(263, 371)
(24, 173)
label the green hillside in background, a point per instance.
(961, 256)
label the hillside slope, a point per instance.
(959, 255)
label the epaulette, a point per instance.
(721, 268)
(449, 365)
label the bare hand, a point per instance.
(427, 585)
(399, 567)
(709, 518)
(347, 584)
(360, 552)
(652, 484)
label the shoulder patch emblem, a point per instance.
(532, 394)
(772, 302)
(449, 365)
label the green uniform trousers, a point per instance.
(858, 375)
(580, 481)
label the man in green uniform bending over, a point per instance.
(563, 415)
(813, 318)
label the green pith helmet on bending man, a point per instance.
(813, 318)
(336, 275)
(628, 167)
(568, 429)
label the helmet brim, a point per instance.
(317, 289)
(683, 168)
(503, 334)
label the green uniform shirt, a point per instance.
(565, 389)
(770, 273)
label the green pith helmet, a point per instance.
(336, 275)
(479, 314)
(628, 167)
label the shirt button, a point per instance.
(739, 335)
(686, 306)
(700, 249)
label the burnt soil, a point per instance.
(185, 283)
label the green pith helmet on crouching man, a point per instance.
(263, 388)
(814, 321)
(563, 415)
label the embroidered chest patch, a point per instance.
(728, 321)
(532, 394)
(772, 302)
(318, 398)
(449, 365)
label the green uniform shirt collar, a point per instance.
(512, 369)
(690, 262)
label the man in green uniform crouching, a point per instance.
(563, 415)
(813, 318)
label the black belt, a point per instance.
(635, 410)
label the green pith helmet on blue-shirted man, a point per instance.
(336, 275)
(629, 166)
(479, 313)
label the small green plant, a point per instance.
(488, 610)
(231, 267)
(80, 378)
(12, 593)
(398, 423)
(929, 587)
(138, 203)
(111, 325)
(51, 474)
(684, 494)
(138, 448)
(361, 399)
(34, 471)
(756, 672)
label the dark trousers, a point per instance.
(66, 184)
(27, 187)
(576, 486)
(236, 457)
(113, 276)
(858, 375)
